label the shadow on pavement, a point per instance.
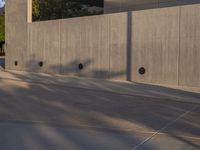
(121, 111)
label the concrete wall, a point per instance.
(44, 45)
(156, 45)
(189, 57)
(166, 43)
(113, 46)
(16, 33)
(98, 42)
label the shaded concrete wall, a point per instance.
(189, 57)
(165, 43)
(16, 33)
(156, 45)
(44, 46)
(113, 46)
(97, 42)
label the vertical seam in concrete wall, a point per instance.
(60, 44)
(129, 46)
(27, 47)
(179, 44)
(109, 49)
(44, 57)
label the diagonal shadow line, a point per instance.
(163, 128)
(186, 141)
(102, 91)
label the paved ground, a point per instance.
(44, 112)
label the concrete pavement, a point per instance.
(39, 112)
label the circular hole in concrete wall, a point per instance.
(41, 64)
(80, 66)
(141, 70)
(16, 63)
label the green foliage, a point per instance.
(56, 9)
(2, 28)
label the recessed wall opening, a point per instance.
(58, 9)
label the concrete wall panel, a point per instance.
(44, 45)
(95, 43)
(155, 45)
(16, 34)
(70, 46)
(189, 71)
(90, 41)
(118, 24)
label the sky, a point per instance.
(2, 2)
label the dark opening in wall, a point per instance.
(16, 63)
(80, 66)
(141, 70)
(58, 9)
(41, 64)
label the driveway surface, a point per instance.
(44, 112)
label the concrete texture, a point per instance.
(155, 45)
(39, 115)
(64, 44)
(16, 34)
(34, 137)
(112, 46)
(165, 43)
(87, 44)
(189, 70)
(44, 45)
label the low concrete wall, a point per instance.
(113, 46)
(16, 34)
(98, 42)
(189, 57)
(156, 45)
(165, 43)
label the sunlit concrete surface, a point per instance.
(39, 112)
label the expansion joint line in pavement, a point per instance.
(163, 128)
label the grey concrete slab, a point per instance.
(166, 142)
(182, 134)
(35, 115)
(49, 104)
(155, 45)
(121, 88)
(36, 137)
(189, 125)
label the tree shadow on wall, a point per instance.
(84, 68)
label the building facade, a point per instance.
(157, 45)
